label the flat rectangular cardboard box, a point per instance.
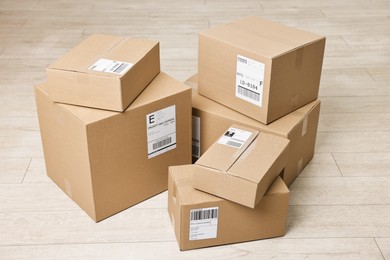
(241, 165)
(260, 68)
(201, 220)
(300, 127)
(104, 71)
(108, 161)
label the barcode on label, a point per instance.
(234, 144)
(195, 151)
(162, 143)
(204, 214)
(121, 68)
(248, 93)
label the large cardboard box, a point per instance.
(241, 165)
(104, 71)
(260, 68)
(108, 161)
(210, 119)
(201, 219)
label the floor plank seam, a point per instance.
(376, 242)
(338, 167)
(25, 172)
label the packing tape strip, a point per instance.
(304, 126)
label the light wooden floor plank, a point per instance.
(355, 88)
(322, 165)
(342, 221)
(61, 227)
(341, 191)
(352, 142)
(370, 104)
(363, 164)
(328, 248)
(36, 172)
(13, 170)
(351, 122)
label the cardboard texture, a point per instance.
(260, 68)
(202, 220)
(104, 71)
(300, 127)
(241, 165)
(108, 161)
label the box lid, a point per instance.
(251, 161)
(225, 151)
(99, 46)
(262, 36)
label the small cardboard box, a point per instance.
(210, 119)
(200, 219)
(104, 71)
(260, 68)
(241, 165)
(108, 161)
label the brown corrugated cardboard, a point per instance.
(201, 219)
(241, 165)
(104, 71)
(108, 161)
(260, 68)
(300, 127)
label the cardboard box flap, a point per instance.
(99, 46)
(133, 49)
(262, 155)
(161, 87)
(84, 114)
(182, 176)
(276, 32)
(228, 148)
(277, 187)
(239, 38)
(97, 43)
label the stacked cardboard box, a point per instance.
(201, 219)
(120, 124)
(263, 77)
(210, 119)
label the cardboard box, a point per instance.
(210, 119)
(201, 219)
(241, 165)
(108, 161)
(260, 68)
(104, 71)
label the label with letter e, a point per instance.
(161, 131)
(203, 223)
(250, 80)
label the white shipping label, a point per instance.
(234, 137)
(250, 80)
(161, 131)
(111, 66)
(196, 136)
(203, 223)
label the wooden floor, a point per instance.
(340, 204)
